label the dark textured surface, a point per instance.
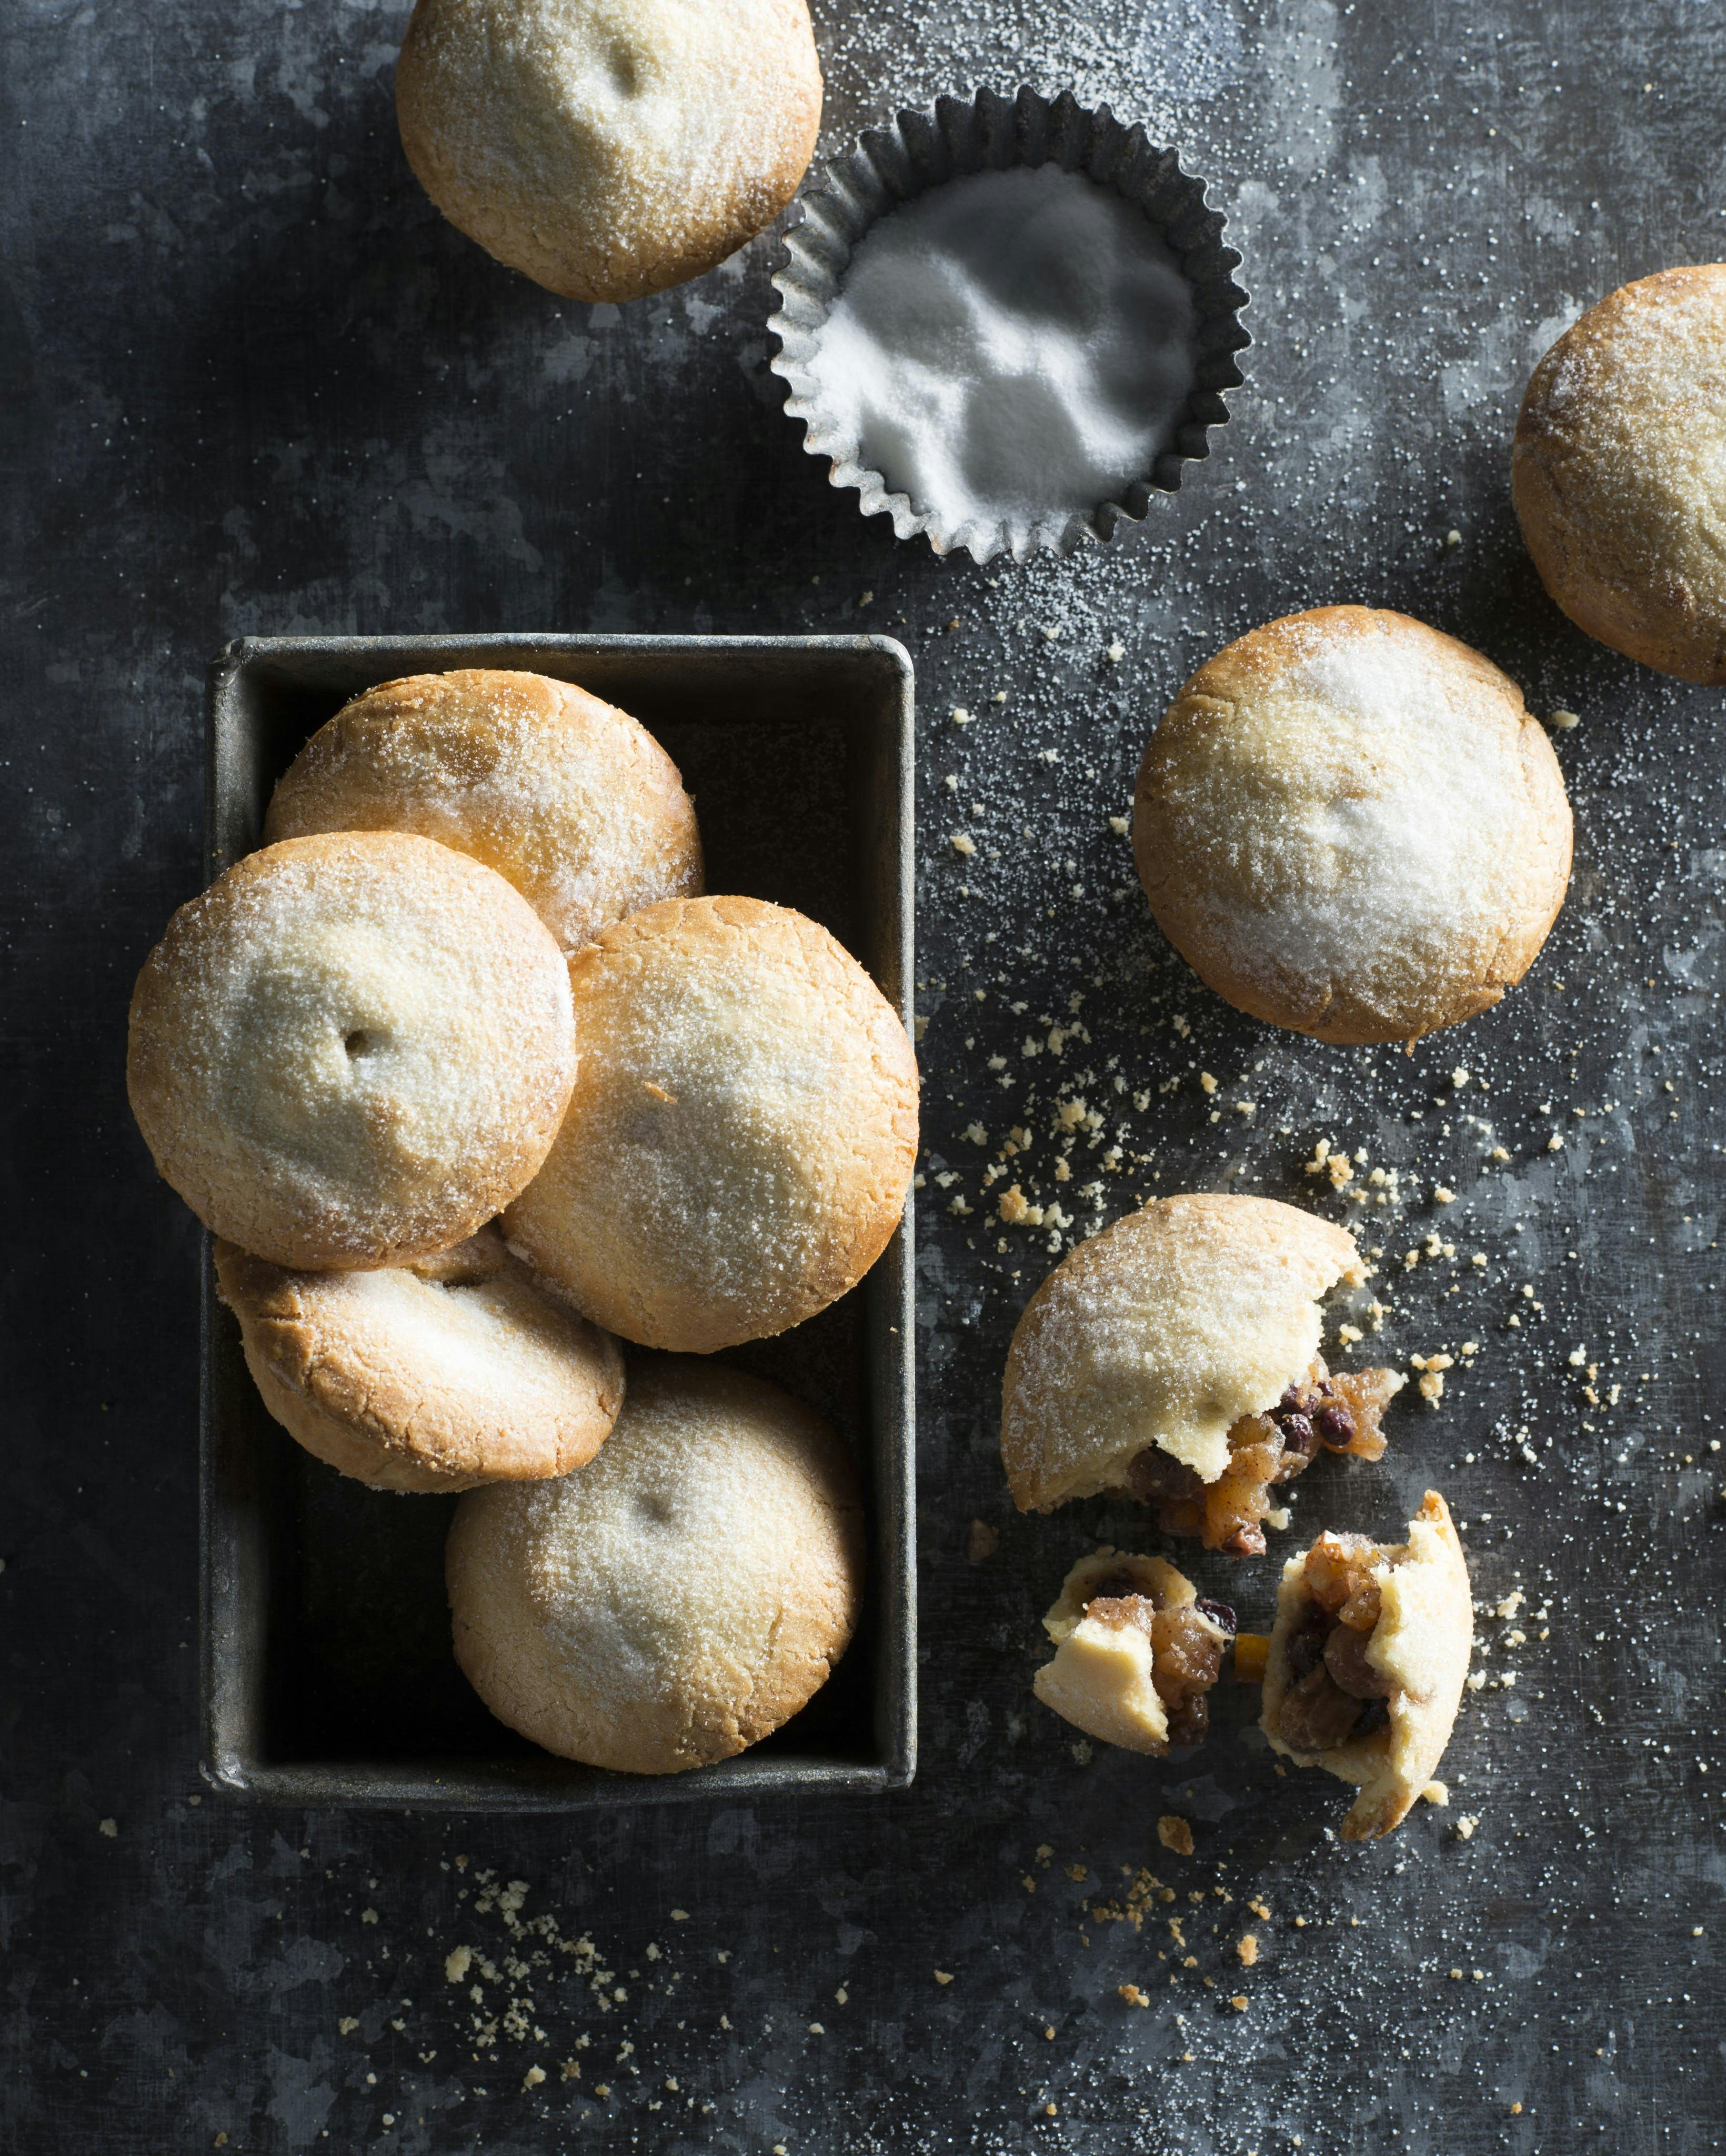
(254, 384)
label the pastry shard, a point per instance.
(1367, 1660)
(1137, 1651)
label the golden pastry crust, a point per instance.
(1347, 823)
(1420, 1645)
(352, 1050)
(1103, 1676)
(569, 799)
(1165, 1330)
(741, 1132)
(450, 1372)
(677, 1600)
(1615, 471)
(609, 148)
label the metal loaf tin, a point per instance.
(328, 1677)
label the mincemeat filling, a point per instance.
(1321, 1413)
(1334, 1693)
(1186, 1645)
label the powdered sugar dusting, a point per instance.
(1009, 350)
(1408, 851)
(363, 1039)
(1360, 822)
(567, 798)
(742, 1129)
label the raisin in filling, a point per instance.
(1186, 1644)
(1334, 1693)
(1321, 1413)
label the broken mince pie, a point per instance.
(1367, 1660)
(1137, 1651)
(1321, 1413)
(1174, 1357)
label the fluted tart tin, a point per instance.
(997, 356)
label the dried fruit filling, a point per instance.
(1322, 1413)
(1334, 1693)
(1187, 1639)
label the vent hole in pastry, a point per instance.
(358, 1043)
(620, 66)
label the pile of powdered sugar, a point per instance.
(1009, 351)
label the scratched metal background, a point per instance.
(252, 384)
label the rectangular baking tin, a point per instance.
(328, 1677)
